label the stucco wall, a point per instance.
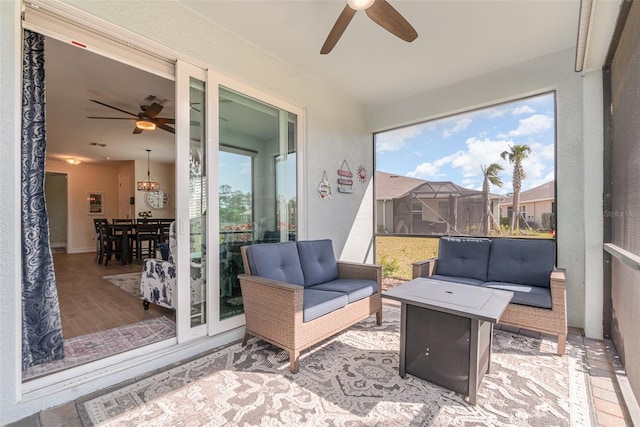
(551, 72)
(335, 130)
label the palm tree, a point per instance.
(515, 155)
(490, 174)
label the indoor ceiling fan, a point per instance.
(381, 12)
(146, 119)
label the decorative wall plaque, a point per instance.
(324, 188)
(345, 181)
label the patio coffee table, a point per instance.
(446, 331)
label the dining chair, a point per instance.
(163, 232)
(110, 242)
(146, 232)
(98, 237)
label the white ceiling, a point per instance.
(457, 40)
(75, 76)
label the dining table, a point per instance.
(127, 231)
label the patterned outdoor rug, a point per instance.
(351, 380)
(129, 282)
(90, 347)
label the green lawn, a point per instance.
(396, 254)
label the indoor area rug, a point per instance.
(129, 282)
(90, 347)
(351, 380)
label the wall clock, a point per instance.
(156, 199)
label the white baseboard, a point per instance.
(80, 250)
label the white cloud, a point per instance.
(494, 113)
(537, 123)
(396, 140)
(536, 166)
(525, 109)
(467, 163)
(460, 125)
(479, 152)
(430, 170)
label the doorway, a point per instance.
(56, 196)
(100, 307)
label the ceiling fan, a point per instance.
(381, 12)
(146, 119)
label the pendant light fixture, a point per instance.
(148, 185)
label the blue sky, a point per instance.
(454, 148)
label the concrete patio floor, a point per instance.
(601, 361)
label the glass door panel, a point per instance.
(257, 184)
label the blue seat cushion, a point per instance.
(534, 296)
(355, 289)
(455, 279)
(522, 261)
(463, 257)
(318, 261)
(317, 303)
(277, 261)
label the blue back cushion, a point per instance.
(277, 261)
(463, 257)
(318, 261)
(522, 261)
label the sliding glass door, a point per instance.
(197, 202)
(257, 184)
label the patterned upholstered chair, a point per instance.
(158, 281)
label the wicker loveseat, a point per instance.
(295, 294)
(522, 266)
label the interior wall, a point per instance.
(164, 174)
(550, 72)
(82, 180)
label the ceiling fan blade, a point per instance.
(114, 108)
(383, 14)
(165, 120)
(137, 130)
(338, 28)
(165, 127)
(112, 118)
(152, 110)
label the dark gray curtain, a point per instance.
(41, 328)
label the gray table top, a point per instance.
(473, 302)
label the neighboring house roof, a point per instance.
(546, 191)
(443, 188)
(391, 186)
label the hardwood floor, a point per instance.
(89, 303)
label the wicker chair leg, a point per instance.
(246, 338)
(294, 361)
(379, 317)
(562, 339)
